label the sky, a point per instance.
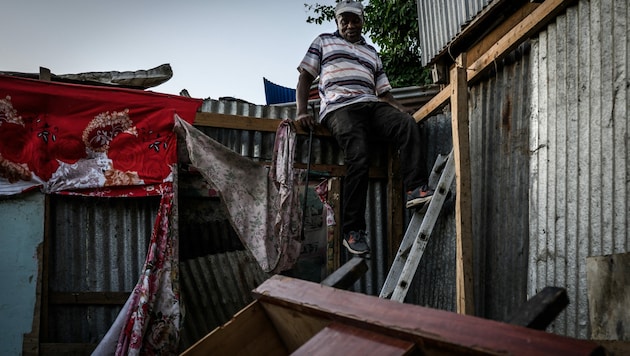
(216, 48)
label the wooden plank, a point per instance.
(250, 332)
(542, 309)
(90, 298)
(485, 43)
(59, 349)
(433, 105)
(463, 203)
(240, 122)
(533, 22)
(345, 276)
(432, 330)
(295, 329)
(530, 25)
(340, 339)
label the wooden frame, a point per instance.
(524, 23)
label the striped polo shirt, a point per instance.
(348, 72)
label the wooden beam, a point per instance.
(395, 204)
(56, 348)
(350, 272)
(530, 25)
(89, 298)
(435, 103)
(485, 43)
(542, 309)
(463, 204)
(239, 122)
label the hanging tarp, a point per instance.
(263, 205)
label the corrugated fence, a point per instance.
(579, 145)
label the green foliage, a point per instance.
(392, 25)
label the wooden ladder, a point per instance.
(416, 237)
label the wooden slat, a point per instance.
(345, 276)
(433, 331)
(249, 332)
(66, 349)
(463, 203)
(340, 339)
(90, 298)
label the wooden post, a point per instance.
(44, 74)
(463, 206)
(395, 225)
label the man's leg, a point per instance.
(401, 129)
(349, 127)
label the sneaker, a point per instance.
(356, 243)
(419, 196)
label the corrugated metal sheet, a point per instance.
(97, 245)
(215, 288)
(499, 114)
(276, 94)
(579, 144)
(441, 20)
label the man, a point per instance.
(356, 104)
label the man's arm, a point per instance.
(389, 98)
(302, 91)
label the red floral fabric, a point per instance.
(63, 137)
(153, 317)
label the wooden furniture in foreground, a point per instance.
(292, 316)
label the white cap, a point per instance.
(350, 6)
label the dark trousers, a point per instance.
(353, 126)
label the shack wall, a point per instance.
(21, 232)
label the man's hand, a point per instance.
(306, 121)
